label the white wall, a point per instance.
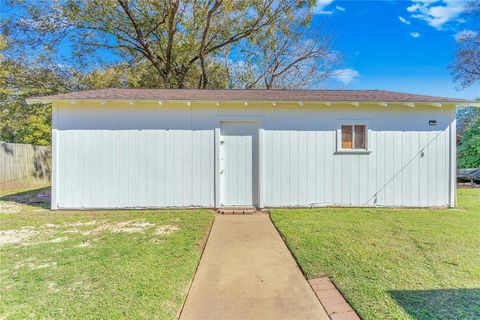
(302, 167)
(118, 155)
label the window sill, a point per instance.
(353, 152)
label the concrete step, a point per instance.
(236, 211)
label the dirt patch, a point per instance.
(56, 240)
(84, 245)
(53, 287)
(17, 236)
(126, 226)
(82, 286)
(30, 235)
(51, 226)
(81, 224)
(164, 230)
(25, 236)
(71, 224)
(44, 265)
(157, 241)
(34, 264)
(133, 226)
(9, 207)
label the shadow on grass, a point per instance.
(39, 197)
(442, 304)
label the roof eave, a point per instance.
(46, 100)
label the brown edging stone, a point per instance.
(332, 300)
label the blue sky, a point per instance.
(393, 45)
(396, 45)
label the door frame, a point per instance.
(260, 121)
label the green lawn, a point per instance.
(392, 263)
(96, 264)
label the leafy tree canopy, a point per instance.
(469, 150)
(183, 44)
(50, 47)
(469, 129)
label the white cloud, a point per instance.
(414, 7)
(340, 8)
(415, 35)
(319, 8)
(465, 34)
(402, 19)
(436, 12)
(345, 76)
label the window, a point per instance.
(354, 137)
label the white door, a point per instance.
(238, 163)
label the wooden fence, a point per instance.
(23, 165)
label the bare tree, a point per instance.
(473, 7)
(466, 67)
(294, 58)
(181, 39)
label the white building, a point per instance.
(140, 148)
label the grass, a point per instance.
(96, 264)
(393, 263)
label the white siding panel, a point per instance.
(320, 167)
(397, 168)
(424, 178)
(330, 175)
(406, 168)
(394, 174)
(389, 169)
(129, 158)
(284, 172)
(372, 173)
(293, 170)
(112, 156)
(302, 167)
(413, 164)
(311, 167)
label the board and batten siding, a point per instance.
(128, 158)
(409, 162)
(117, 155)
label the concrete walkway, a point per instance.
(247, 272)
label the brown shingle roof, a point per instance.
(249, 95)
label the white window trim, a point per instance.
(350, 122)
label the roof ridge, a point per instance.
(370, 95)
(253, 89)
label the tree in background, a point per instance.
(51, 47)
(189, 44)
(469, 128)
(20, 79)
(18, 121)
(466, 67)
(466, 71)
(287, 59)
